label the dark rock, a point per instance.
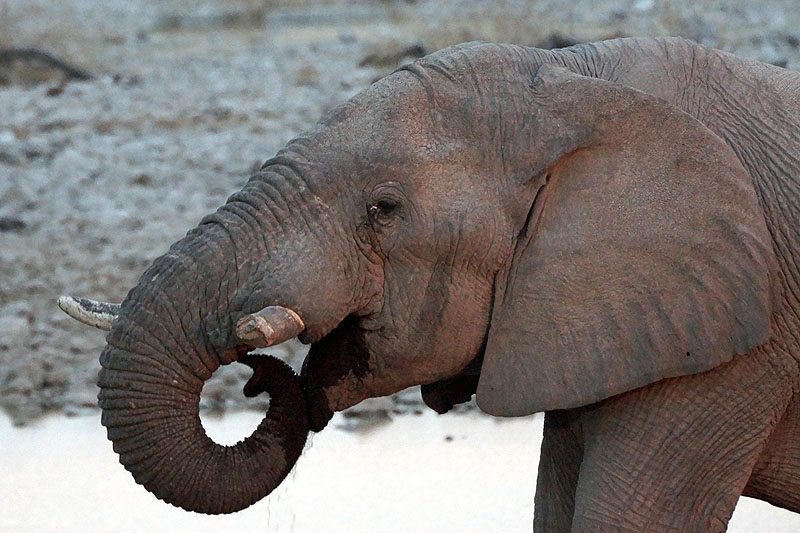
(791, 40)
(413, 51)
(556, 40)
(32, 151)
(58, 90)
(142, 180)
(11, 224)
(8, 157)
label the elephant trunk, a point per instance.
(152, 417)
(250, 275)
(174, 329)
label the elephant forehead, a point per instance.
(395, 119)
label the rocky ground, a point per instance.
(186, 99)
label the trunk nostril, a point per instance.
(257, 383)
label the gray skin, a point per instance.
(608, 233)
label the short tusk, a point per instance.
(98, 314)
(270, 326)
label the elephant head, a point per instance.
(480, 219)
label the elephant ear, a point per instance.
(644, 255)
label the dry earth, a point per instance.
(98, 177)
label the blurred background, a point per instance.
(123, 122)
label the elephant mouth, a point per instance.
(318, 410)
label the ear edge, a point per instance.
(490, 398)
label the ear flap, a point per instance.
(645, 254)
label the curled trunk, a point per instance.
(175, 328)
(153, 420)
(249, 263)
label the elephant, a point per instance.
(607, 233)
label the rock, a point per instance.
(391, 57)
(556, 40)
(11, 223)
(142, 180)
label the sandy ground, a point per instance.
(418, 473)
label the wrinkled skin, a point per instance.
(556, 231)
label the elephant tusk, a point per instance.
(272, 325)
(100, 315)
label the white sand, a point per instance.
(61, 475)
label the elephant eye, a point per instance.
(386, 205)
(382, 210)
